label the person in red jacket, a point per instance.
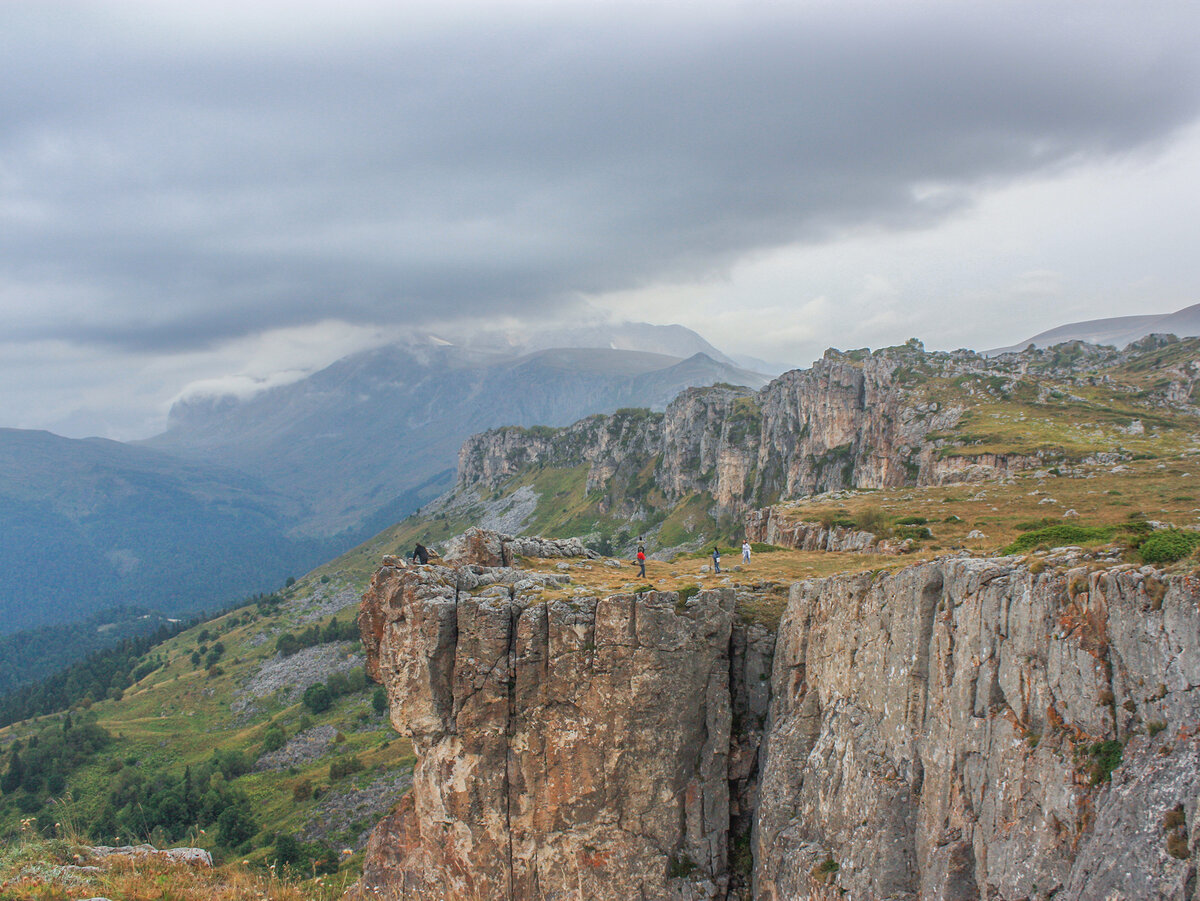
(641, 559)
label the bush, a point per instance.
(1106, 757)
(681, 866)
(274, 739)
(235, 825)
(1167, 546)
(870, 519)
(1177, 846)
(317, 698)
(761, 547)
(340, 768)
(287, 850)
(1060, 535)
(231, 763)
(379, 700)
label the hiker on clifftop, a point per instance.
(716, 559)
(420, 554)
(641, 562)
(746, 551)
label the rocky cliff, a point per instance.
(961, 729)
(855, 419)
(949, 732)
(570, 749)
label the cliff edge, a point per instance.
(566, 749)
(958, 729)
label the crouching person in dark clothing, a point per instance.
(420, 554)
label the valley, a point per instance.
(271, 709)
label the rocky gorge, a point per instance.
(960, 728)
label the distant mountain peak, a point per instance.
(1118, 331)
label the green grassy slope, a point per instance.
(175, 719)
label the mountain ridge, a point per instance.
(1118, 331)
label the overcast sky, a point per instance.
(194, 193)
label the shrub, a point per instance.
(287, 850)
(741, 857)
(337, 684)
(826, 870)
(231, 763)
(1106, 757)
(911, 521)
(317, 698)
(1059, 535)
(379, 700)
(761, 547)
(235, 825)
(1167, 546)
(1156, 590)
(274, 739)
(870, 519)
(1031, 525)
(344, 767)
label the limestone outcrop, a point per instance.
(853, 420)
(488, 548)
(960, 729)
(948, 732)
(774, 526)
(566, 749)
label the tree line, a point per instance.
(99, 675)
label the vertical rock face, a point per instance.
(947, 733)
(849, 421)
(959, 730)
(568, 750)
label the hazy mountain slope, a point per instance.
(1118, 331)
(92, 523)
(375, 435)
(670, 340)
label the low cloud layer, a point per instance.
(229, 194)
(170, 184)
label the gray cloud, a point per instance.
(165, 190)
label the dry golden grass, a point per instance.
(1150, 489)
(38, 870)
(1166, 490)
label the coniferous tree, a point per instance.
(14, 775)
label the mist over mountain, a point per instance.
(372, 437)
(240, 493)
